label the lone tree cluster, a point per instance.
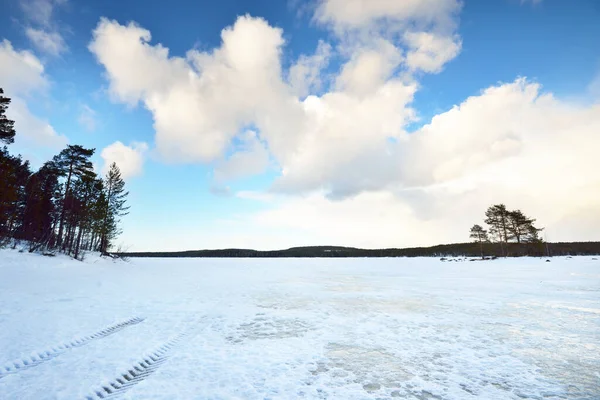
(505, 226)
(62, 206)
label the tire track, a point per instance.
(39, 357)
(137, 372)
(148, 364)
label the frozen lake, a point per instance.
(299, 328)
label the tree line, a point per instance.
(64, 205)
(470, 249)
(505, 226)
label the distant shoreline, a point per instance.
(444, 250)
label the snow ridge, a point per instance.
(39, 357)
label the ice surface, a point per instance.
(299, 328)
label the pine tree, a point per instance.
(72, 161)
(114, 206)
(86, 188)
(480, 236)
(497, 219)
(532, 234)
(40, 214)
(520, 227)
(14, 173)
(7, 130)
(34, 206)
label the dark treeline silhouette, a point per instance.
(444, 250)
(64, 206)
(505, 227)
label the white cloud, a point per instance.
(346, 149)
(20, 71)
(129, 159)
(21, 75)
(515, 124)
(40, 11)
(512, 144)
(305, 73)
(423, 29)
(252, 158)
(42, 30)
(257, 196)
(429, 52)
(87, 118)
(31, 130)
(201, 102)
(48, 42)
(356, 14)
(369, 69)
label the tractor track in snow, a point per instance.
(146, 365)
(39, 357)
(137, 372)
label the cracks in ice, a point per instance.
(39, 357)
(375, 369)
(263, 327)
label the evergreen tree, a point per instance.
(14, 173)
(86, 188)
(521, 227)
(7, 130)
(114, 206)
(532, 234)
(497, 219)
(480, 236)
(71, 162)
(33, 207)
(42, 201)
(97, 215)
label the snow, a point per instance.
(409, 328)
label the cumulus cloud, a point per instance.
(369, 69)
(22, 74)
(199, 103)
(305, 74)
(346, 147)
(429, 52)
(512, 143)
(31, 130)
(203, 101)
(424, 30)
(532, 134)
(252, 158)
(129, 159)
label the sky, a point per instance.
(272, 124)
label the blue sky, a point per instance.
(275, 124)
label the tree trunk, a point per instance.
(78, 242)
(481, 248)
(104, 240)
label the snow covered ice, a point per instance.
(299, 328)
